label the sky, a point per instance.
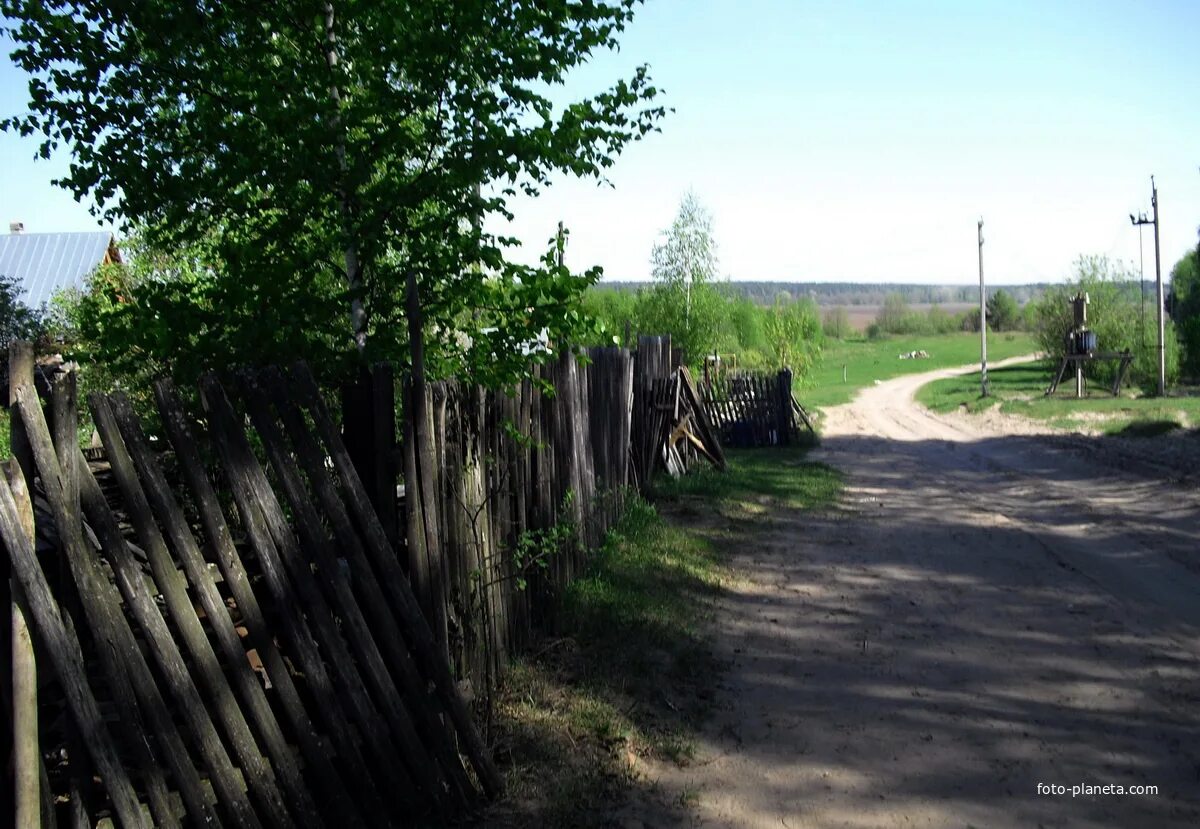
(860, 141)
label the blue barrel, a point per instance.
(1087, 341)
(742, 434)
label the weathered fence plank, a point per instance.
(293, 586)
(751, 408)
(173, 589)
(404, 719)
(66, 658)
(250, 692)
(424, 774)
(21, 689)
(341, 808)
(117, 648)
(506, 492)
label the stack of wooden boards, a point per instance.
(672, 430)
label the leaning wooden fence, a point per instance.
(235, 640)
(246, 631)
(754, 408)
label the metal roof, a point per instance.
(44, 263)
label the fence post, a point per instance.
(358, 428)
(784, 414)
(420, 485)
(25, 753)
(369, 433)
(383, 422)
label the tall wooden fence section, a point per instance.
(527, 482)
(235, 640)
(654, 363)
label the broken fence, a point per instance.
(154, 629)
(239, 640)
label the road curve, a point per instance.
(985, 615)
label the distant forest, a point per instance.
(831, 294)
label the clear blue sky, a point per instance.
(862, 140)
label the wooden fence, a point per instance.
(247, 631)
(754, 408)
(251, 660)
(527, 483)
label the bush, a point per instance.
(836, 324)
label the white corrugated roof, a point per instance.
(44, 263)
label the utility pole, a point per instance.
(983, 381)
(1142, 284)
(1162, 350)
(1162, 339)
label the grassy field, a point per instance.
(631, 672)
(1020, 390)
(866, 361)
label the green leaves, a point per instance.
(217, 125)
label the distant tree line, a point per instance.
(851, 294)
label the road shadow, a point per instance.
(975, 619)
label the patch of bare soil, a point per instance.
(992, 610)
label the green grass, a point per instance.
(1013, 383)
(630, 673)
(869, 360)
(1021, 390)
(757, 478)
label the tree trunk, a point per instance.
(354, 280)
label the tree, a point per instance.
(1003, 313)
(1184, 302)
(836, 323)
(686, 254)
(17, 320)
(793, 330)
(892, 316)
(336, 159)
(684, 301)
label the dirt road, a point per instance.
(987, 612)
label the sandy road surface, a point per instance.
(984, 613)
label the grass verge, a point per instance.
(631, 674)
(757, 480)
(1020, 390)
(866, 361)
